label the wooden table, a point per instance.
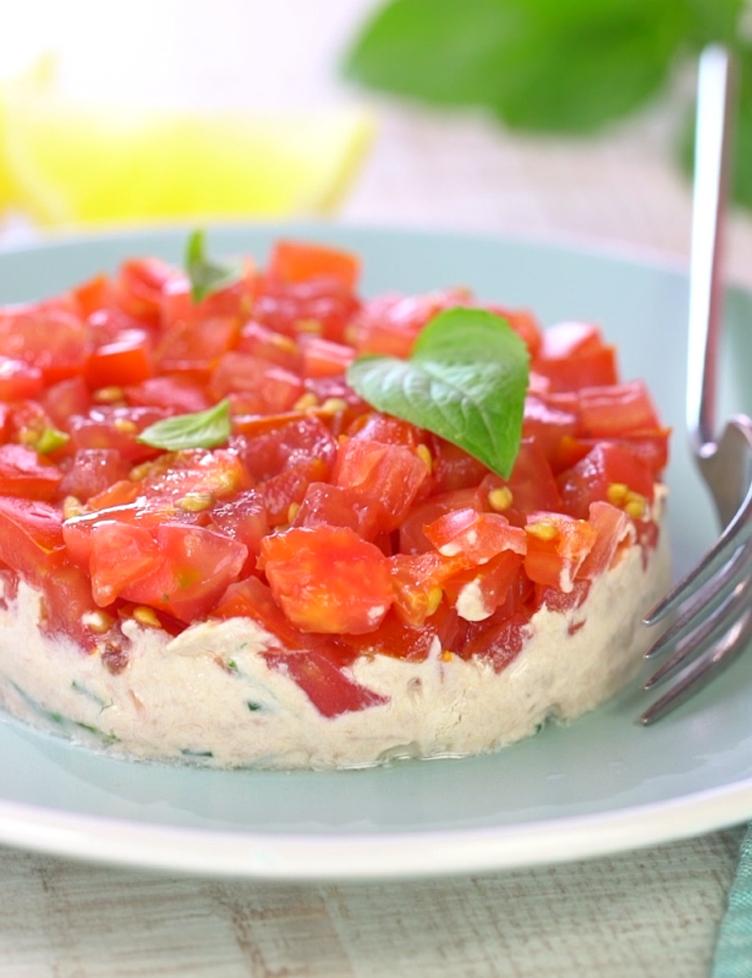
(651, 913)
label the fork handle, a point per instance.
(712, 139)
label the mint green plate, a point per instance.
(600, 785)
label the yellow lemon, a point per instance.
(66, 163)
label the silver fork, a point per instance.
(714, 601)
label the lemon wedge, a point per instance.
(67, 163)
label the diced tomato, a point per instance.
(92, 295)
(233, 301)
(476, 536)
(324, 358)
(251, 598)
(453, 468)
(606, 465)
(92, 471)
(292, 261)
(194, 349)
(412, 536)
(478, 592)
(31, 536)
(121, 553)
(531, 484)
(24, 473)
(556, 600)
(300, 440)
(328, 579)
(243, 517)
(47, 336)
(612, 411)
(524, 323)
(116, 428)
(499, 639)
(550, 427)
(418, 581)
(66, 398)
(326, 686)
(574, 356)
(140, 288)
(334, 506)
(19, 379)
(557, 546)
(391, 323)
(374, 426)
(266, 344)
(388, 476)
(394, 638)
(172, 393)
(323, 305)
(125, 360)
(266, 388)
(613, 529)
(196, 565)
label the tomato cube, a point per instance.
(557, 546)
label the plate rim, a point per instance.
(302, 857)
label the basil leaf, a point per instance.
(206, 276)
(465, 381)
(537, 64)
(201, 429)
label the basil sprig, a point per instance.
(200, 429)
(206, 276)
(465, 381)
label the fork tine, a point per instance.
(736, 534)
(703, 670)
(735, 601)
(728, 576)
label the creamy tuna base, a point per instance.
(209, 695)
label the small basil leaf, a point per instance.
(465, 381)
(201, 429)
(206, 276)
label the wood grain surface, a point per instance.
(650, 914)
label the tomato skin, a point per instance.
(550, 425)
(476, 536)
(24, 474)
(120, 554)
(418, 580)
(374, 426)
(412, 538)
(394, 638)
(92, 471)
(554, 561)
(324, 358)
(19, 379)
(266, 388)
(196, 566)
(171, 393)
(388, 477)
(251, 598)
(499, 639)
(125, 360)
(328, 579)
(589, 479)
(293, 262)
(452, 467)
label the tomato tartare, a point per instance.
(218, 546)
